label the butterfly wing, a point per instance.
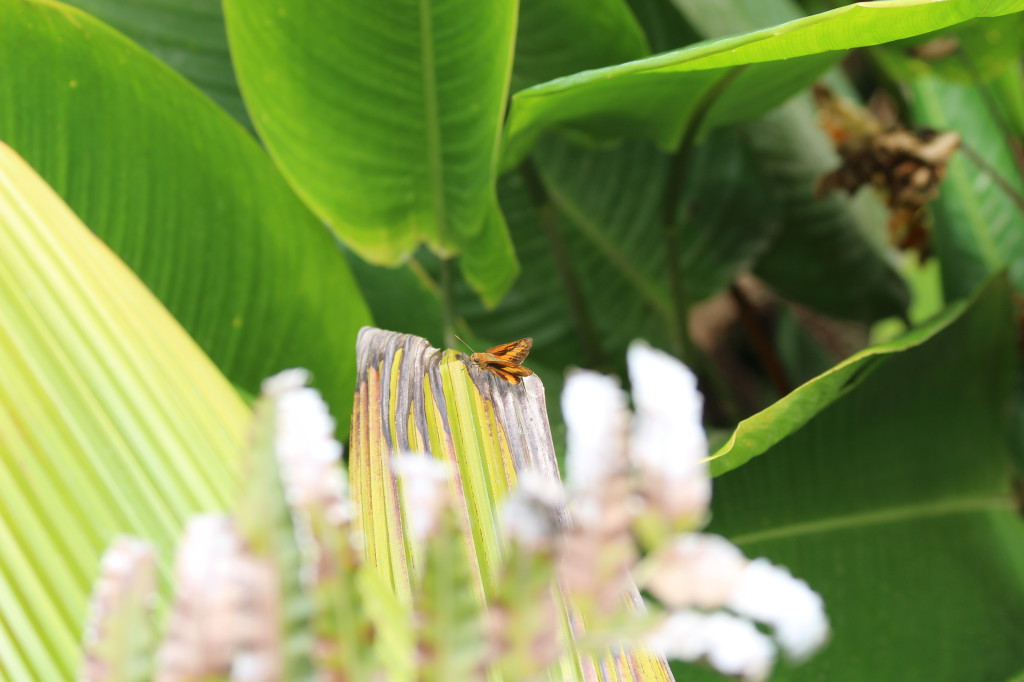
(506, 360)
(512, 353)
(511, 373)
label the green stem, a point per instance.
(677, 176)
(550, 223)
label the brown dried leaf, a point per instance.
(904, 166)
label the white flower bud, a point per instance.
(304, 441)
(668, 443)
(597, 421)
(285, 380)
(126, 585)
(771, 595)
(202, 636)
(731, 645)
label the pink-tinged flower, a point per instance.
(225, 605)
(657, 488)
(126, 586)
(695, 570)
(304, 441)
(709, 572)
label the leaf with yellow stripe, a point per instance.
(412, 397)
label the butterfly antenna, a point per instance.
(467, 345)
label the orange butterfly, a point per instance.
(506, 360)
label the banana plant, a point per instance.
(172, 233)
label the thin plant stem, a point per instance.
(678, 172)
(763, 345)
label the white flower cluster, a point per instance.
(714, 593)
(225, 608)
(731, 645)
(707, 572)
(304, 441)
(595, 412)
(668, 445)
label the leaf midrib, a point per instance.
(435, 163)
(892, 515)
(647, 287)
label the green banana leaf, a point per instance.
(1006, 91)
(604, 32)
(658, 97)
(980, 208)
(823, 240)
(664, 25)
(386, 119)
(187, 35)
(597, 232)
(758, 434)
(982, 48)
(181, 193)
(111, 421)
(890, 493)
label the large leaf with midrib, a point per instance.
(385, 117)
(890, 493)
(182, 193)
